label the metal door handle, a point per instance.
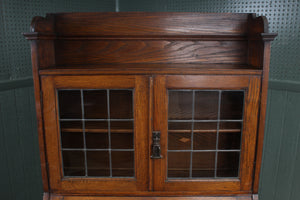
(155, 145)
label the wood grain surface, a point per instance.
(139, 51)
(151, 53)
(142, 23)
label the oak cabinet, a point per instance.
(150, 105)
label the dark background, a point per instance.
(20, 177)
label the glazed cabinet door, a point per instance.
(207, 126)
(96, 133)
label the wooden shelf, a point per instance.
(131, 130)
(97, 168)
(206, 131)
(97, 130)
(152, 68)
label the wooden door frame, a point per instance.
(64, 185)
(251, 85)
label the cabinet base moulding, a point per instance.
(59, 197)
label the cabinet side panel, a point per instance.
(262, 114)
(38, 106)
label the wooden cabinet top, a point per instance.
(150, 43)
(209, 26)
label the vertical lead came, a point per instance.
(83, 131)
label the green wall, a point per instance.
(280, 175)
(19, 156)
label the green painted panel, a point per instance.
(284, 85)
(20, 164)
(288, 152)
(28, 140)
(280, 175)
(12, 146)
(295, 192)
(6, 189)
(272, 143)
(19, 83)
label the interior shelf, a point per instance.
(206, 131)
(131, 130)
(97, 130)
(98, 168)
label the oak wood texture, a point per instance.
(249, 132)
(150, 52)
(151, 183)
(144, 51)
(61, 184)
(252, 88)
(130, 23)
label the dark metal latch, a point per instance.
(155, 145)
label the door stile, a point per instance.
(151, 100)
(160, 124)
